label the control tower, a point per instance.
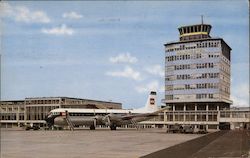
(197, 76)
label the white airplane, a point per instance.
(109, 117)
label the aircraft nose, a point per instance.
(49, 120)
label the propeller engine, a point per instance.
(106, 120)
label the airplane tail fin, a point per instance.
(151, 104)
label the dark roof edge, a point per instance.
(61, 98)
(72, 98)
(12, 101)
(193, 25)
(205, 39)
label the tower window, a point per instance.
(192, 29)
(204, 28)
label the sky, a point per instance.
(109, 50)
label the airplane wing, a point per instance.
(118, 119)
(131, 116)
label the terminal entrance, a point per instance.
(224, 126)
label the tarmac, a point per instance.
(123, 143)
(100, 143)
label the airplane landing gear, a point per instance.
(92, 127)
(113, 127)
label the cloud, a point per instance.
(162, 89)
(123, 58)
(62, 30)
(240, 95)
(72, 15)
(156, 70)
(151, 86)
(240, 85)
(239, 102)
(128, 72)
(23, 14)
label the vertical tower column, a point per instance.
(173, 112)
(207, 112)
(184, 114)
(195, 109)
(218, 116)
(25, 113)
(165, 116)
(17, 116)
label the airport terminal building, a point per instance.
(16, 113)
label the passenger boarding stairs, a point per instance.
(69, 122)
(135, 124)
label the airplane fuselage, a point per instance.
(108, 117)
(89, 117)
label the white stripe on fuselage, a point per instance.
(103, 111)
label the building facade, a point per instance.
(34, 110)
(197, 77)
(12, 113)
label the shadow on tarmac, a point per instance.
(217, 144)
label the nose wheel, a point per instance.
(92, 127)
(113, 127)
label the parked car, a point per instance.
(176, 128)
(201, 129)
(187, 129)
(36, 127)
(29, 127)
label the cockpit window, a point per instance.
(55, 113)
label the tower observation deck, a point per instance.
(194, 32)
